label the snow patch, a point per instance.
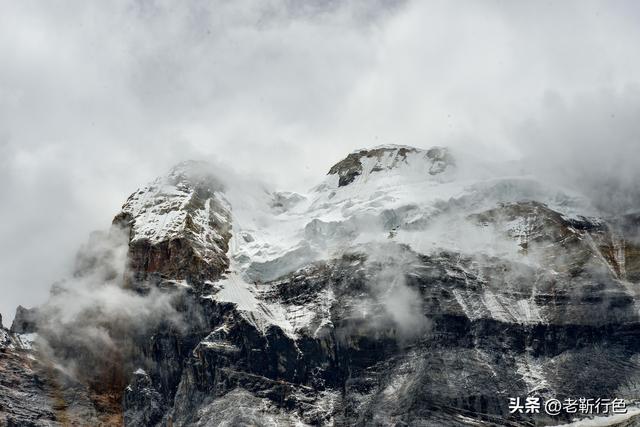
(26, 341)
(532, 372)
(234, 289)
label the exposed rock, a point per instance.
(142, 403)
(25, 321)
(180, 226)
(436, 161)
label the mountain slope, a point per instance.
(402, 290)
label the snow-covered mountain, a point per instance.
(409, 287)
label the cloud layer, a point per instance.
(97, 98)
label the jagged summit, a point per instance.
(178, 219)
(364, 162)
(196, 173)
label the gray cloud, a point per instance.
(96, 98)
(590, 142)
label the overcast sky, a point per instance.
(98, 97)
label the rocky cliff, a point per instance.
(398, 291)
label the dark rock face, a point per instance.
(24, 321)
(32, 394)
(142, 403)
(22, 401)
(175, 258)
(376, 374)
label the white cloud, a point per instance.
(96, 98)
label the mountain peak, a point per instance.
(182, 217)
(194, 173)
(363, 162)
(434, 272)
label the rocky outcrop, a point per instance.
(578, 245)
(23, 400)
(143, 405)
(179, 225)
(24, 321)
(436, 160)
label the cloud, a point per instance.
(94, 314)
(401, 303)
(97, 98)
(590, 142)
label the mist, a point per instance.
(87, 326)
(98, 98)
(589, 142)
(401, 303)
